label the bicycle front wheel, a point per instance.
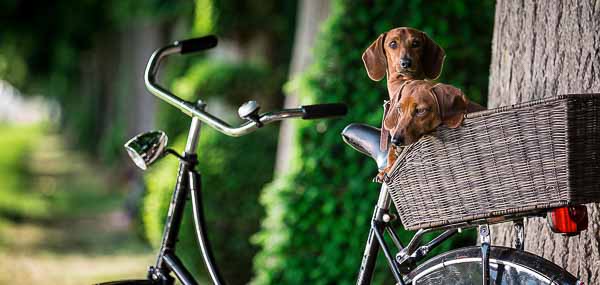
(507, 267)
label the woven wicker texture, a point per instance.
(535, 155)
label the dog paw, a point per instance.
(379, 178)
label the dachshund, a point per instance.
(421, 107)
(401, 54)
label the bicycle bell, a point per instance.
(249, 111)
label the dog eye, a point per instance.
(421, 111)
(416, 44)
(393, 44)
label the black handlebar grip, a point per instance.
(324, 111)
(198, 44)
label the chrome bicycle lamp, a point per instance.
(144, 149)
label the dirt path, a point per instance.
(79, 233)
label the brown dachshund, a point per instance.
(402, 54)
(421, 107)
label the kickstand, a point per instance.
(484, 238)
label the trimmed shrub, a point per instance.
(224, 83)
(319, 213)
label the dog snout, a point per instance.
(405, 62)
(397, 139)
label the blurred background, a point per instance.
(289, 204)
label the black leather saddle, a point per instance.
(365, 139)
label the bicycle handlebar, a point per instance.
(197, 44)
(198, 111)
(324, 111)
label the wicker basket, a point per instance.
(535, 155)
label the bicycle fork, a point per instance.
(379, 224)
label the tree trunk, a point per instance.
(541, 49)
(137, 44)
(311, 14)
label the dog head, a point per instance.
(422, 107)
(405, 53)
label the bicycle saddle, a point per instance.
(365, 139)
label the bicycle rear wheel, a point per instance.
(507, 267)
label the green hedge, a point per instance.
(318, 214)
(18, 198)
(225, 83)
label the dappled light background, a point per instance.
(71, 93)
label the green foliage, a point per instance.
(233, 172)
(73, 57)
(129, 11)
(55, 36)
(42, 180)
(230, 84)
(318, 214)
(271, 21)
(53, 42)
(16, 199)
(48, 54)
(280, 15)
(204, 20)
(236, 83)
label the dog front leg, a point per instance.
(391, 158)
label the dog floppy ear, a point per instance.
(391, 118)
(452, 104)
(433, 58)
(375, 60)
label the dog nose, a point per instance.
(397, 140)
(405, 62)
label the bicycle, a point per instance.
(484, 264)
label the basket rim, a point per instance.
(529, 104)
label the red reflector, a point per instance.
(568, 220)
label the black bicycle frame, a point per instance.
(188, 183)
(189, 186)
(381, 222)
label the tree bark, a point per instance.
(541, 49)
(139, 42)
(311, 14)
